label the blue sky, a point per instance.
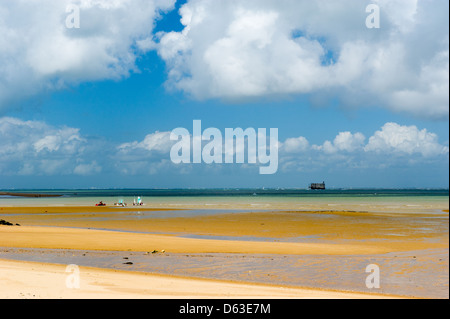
(374, 115)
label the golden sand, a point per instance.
(90, 239)
(319, 232)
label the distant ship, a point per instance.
(317, 185)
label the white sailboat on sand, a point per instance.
(139, 201)
(120, 203)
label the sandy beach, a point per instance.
(39, 280)
(407, 244)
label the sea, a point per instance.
(236, 198)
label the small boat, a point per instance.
(100, 204)
(138, 202)
(121, 203)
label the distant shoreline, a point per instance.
(28, 194)
(195, 192)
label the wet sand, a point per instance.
(340, 237)
(298, 232)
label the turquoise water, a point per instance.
(303, 199)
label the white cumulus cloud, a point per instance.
(34, 147)
(38, 53)
(395, 138)
(235, 49)
(157, 142)
(393, 144)
(344, 141)
(295, 145)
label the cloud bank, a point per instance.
(36, 148)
